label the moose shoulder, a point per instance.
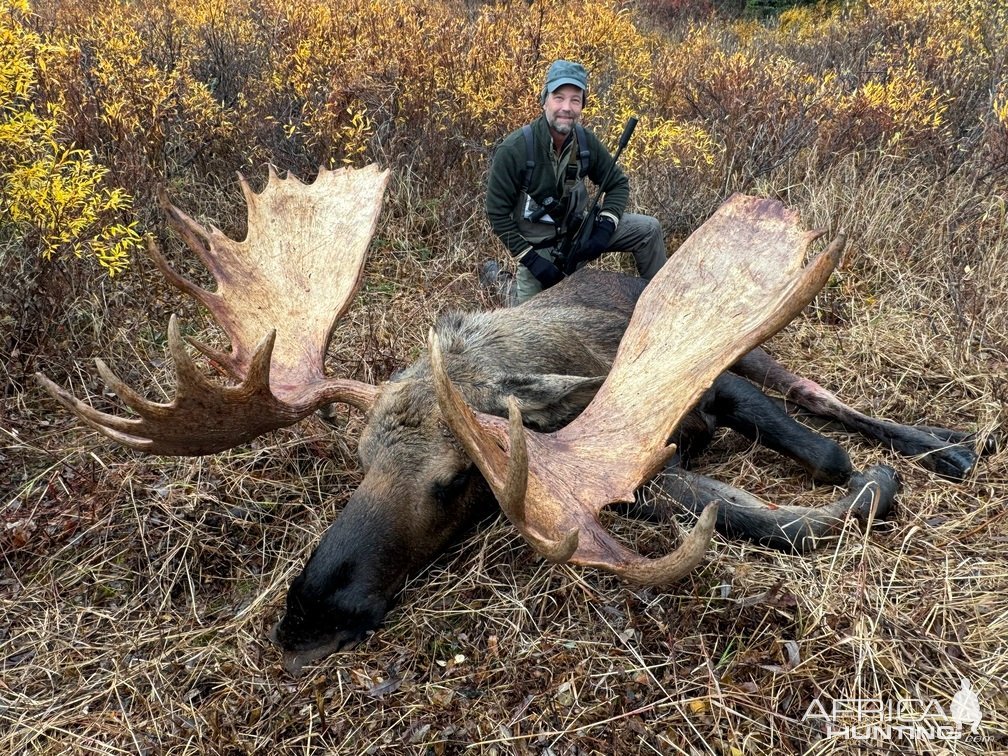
(556, 408)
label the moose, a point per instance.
(554, 409)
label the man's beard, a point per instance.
(561, 128)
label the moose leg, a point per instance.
(737, 404)
(783, 527)
(938, 449)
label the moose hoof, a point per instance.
(951, 462)
(878, 486)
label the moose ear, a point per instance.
(547, 401)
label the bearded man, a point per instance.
(536, 195)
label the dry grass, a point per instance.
(136, 592)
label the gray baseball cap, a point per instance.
(566, 72)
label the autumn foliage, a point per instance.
(104, 100)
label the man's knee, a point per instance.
(650, 254)
(652, 228)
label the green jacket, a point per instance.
(508, 207)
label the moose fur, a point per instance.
(420, 491)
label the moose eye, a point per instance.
(445, 492)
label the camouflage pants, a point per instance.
(640, 235)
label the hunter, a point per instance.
(537, 201)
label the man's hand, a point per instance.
(545, 272)
(594, 245)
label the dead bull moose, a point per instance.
(577, 394)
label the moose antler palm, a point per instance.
(735, 282)
(279, 295)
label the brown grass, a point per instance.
(136, 592)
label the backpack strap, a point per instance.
(584, 154)
(529, 157)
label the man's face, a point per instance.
(563, 108)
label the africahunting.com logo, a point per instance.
(899, 719)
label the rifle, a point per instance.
(572, 241)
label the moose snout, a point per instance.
(295, 658)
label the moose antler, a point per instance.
(279, 295)
(735, 282)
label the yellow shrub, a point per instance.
(53, 196)
(140, 116)
(160, 92)
(754, 102)
(353, 66)
(995, 146)
(512, 44)
(683, 145)
(900, 109)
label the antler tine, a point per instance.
(180, 282)
(193, 234)
(735, 282)
(109, 425)
(511, 485)
(680, 563)
(246, 189)
(218, 357)
(279, 294)
(512, 499)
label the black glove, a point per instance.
(596, 243)
(545, 272)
